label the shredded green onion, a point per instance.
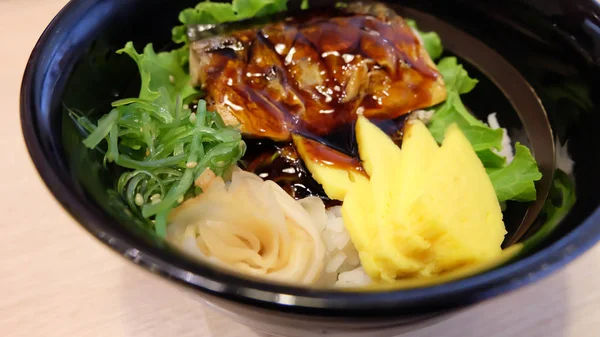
(163, 155)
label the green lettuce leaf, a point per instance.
(162, 70)
(203, 13)
(431, 40)
(491, 159)
(516, 180)
(432, 43)
(453, 111)
(456, 77)
(255, 8)
(215, 12)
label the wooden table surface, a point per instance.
(57, 280)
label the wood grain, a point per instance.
(56, 280)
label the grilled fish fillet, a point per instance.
(316, 71)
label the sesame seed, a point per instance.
(139, 200)
(171, 78)
(180, 199)
(156, 201)
(191, 164)
(193, 118)
(186, 106)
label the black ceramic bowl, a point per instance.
(520, 51)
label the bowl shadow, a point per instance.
(524, 312)
(154, 307)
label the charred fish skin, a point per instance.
(316, 71)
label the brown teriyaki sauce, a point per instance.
(279, 161)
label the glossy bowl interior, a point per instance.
(521, 52)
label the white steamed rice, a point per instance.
(342, 264)
(507, 150)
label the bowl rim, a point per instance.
(239, 289)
